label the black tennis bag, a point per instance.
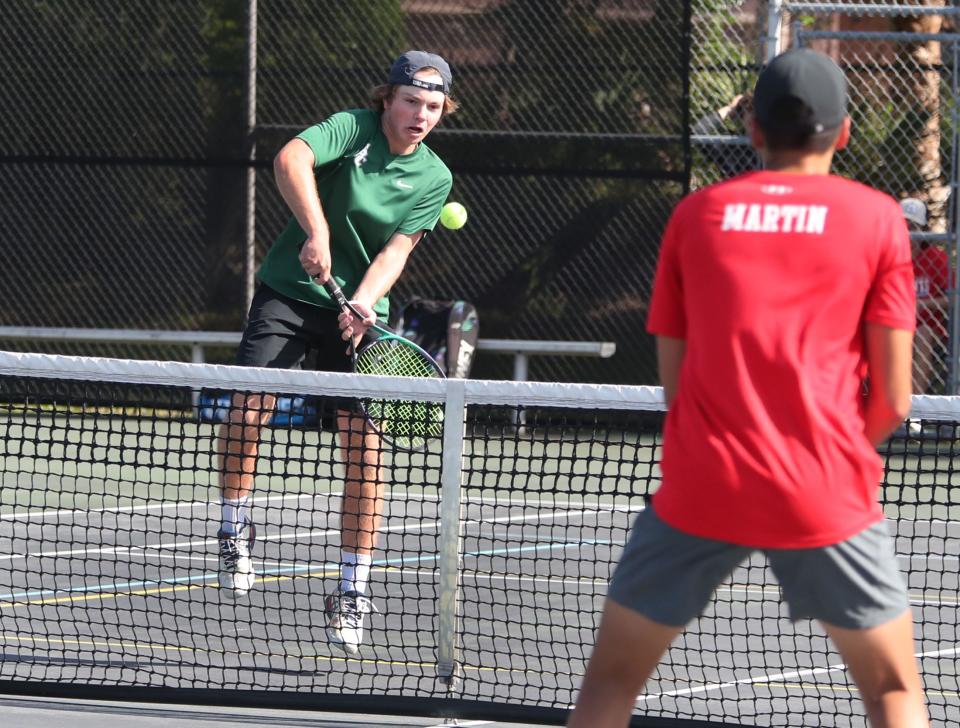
(448, 330)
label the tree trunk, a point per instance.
(920, 60)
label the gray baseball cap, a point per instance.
(808, 76)
(406, 66)
(914, 211)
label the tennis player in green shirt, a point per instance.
(363, 190)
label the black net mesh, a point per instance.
(110, 576)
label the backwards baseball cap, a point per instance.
(914, 211)
(406, 66)
(805, 75)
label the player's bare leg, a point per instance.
(627, 651)
(360, 516)
(363, 487)
(882, 663)
(237, 446)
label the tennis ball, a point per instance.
(453, 215)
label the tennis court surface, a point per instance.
(492, 564)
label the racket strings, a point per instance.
(391, 357)
(407, 423)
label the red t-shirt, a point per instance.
(931, 270)
(769, 278)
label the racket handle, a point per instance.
(336, 294)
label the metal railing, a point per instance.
(199, 341)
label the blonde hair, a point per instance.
(386, 91)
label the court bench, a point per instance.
(199, 341)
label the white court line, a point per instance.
(512, 500)
(162, 505)
(433, 524)
(938, 521)
(468, 574)
(775, 677)
(538, 501)
(929, 557)
(917, 600)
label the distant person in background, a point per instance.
(730, 120)
(931, 274)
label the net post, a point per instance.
(449, 539)
(521, 367)
(196, 356)
(521, 372)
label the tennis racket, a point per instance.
(404, 423)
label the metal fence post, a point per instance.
(953, 222)
(250, 214)
(774, 29)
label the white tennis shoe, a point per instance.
(345, 613)
(236, 574)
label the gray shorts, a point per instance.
(669, 576)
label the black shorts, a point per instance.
(283, 333)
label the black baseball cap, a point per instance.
(406, 66)
(808, 76)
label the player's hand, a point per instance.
(353, 328)
(739, 108)
(315, 258)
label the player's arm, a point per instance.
(293, 170)
(670, 353)
(386, 268)
(889, 355)
(890, 315)
(383, 272)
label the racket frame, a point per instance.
(384, 335)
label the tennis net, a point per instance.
(497, 542)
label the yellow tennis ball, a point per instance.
(453, 215)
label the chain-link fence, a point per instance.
(124, 155)
(568, 153)
(125, 149)
(116, 183)
(900, 59)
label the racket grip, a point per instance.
(335, 293)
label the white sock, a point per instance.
(233, 514)
(354, 571)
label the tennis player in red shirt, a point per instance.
(777, 294)
(931, 272)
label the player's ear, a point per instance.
(388, 98)
(756, 134)
(843, 138)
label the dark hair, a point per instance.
(790, 127)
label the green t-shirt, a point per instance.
(368, 194)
